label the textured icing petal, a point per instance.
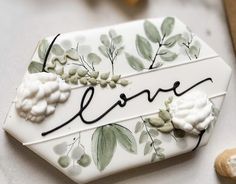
(50, 109)
(191, 112)
(64, 87)
(54, 98)
(64, 97)
(27, 105)
(39, 108)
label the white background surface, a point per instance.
(24, 22)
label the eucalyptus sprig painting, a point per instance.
(72, 156)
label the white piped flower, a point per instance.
(191, 112)
(39, 94)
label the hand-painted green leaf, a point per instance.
(184, 39)
(112, 33)
(171, 41)
(167, 55)
(103, 50)
(160, 150)
(119, 50)
(151, 32)
(85, 160)
(167, 26)
(138, 127)
(42, 49)
(105, 40)
(143, 137)
(134, 62)
(179, 133)
(77, 153)
(84, 50)
(35, 67)
(194, 50)
(125, 137)
(60, 149)
(153, 132)
(72, 54)
(103, 146)
(74, 170)
(161, 156)
(93, 58)
(57, 50)
(147, 148)
(117, 40)
(143, 47)
(154, 157)
(156, 142)
(66, 44)
(64, 161)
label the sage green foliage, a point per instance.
(104, 143)
(155, 39)
(179, 133)
(83, 66)
(144, 47)
(134, 62)
(148, 137)
(37, 66)
(64, 161)
(93, 78)
(72, 151)
(155, 47)
(191, 46)
(84, 161)
(111, 46)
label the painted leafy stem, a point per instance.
(164, 40)
(81, 64)
(104, 143)
(149, 136)
(111, 46)
(72, 156)
(149, 129)
(191, 46)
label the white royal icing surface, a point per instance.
(191, 112)
(39, 94)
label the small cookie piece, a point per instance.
(225, 163)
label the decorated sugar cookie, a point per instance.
(96, 102)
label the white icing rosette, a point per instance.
(191, 112)
(39, 94)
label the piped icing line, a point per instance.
(94, 126)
